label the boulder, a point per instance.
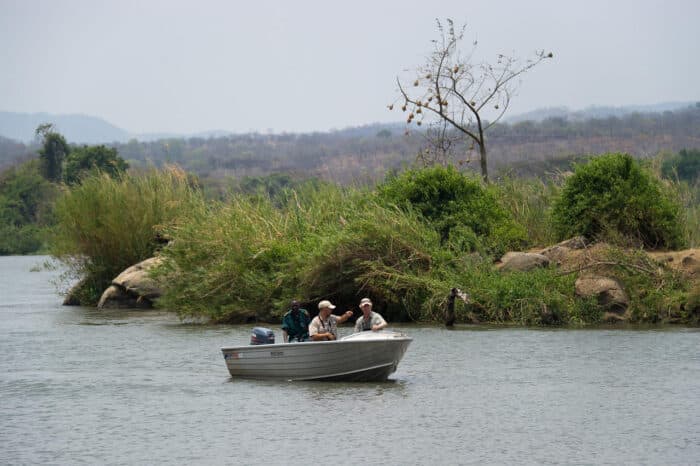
(577, 242)
(608, 291)
(686, 262)
(691, 263)
(136, 280)
(116, 297)
(133, 288)
(556, 254)
(560, 252)
(523, 261)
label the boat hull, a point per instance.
(370, 357)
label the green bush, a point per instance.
(612, 197)
(105, 225)
(460, 208)
(16, 240)
(26, 208)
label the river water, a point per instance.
(78, 386)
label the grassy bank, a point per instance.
(405, 243)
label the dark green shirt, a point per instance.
(296, 326)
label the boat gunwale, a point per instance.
(315, 343)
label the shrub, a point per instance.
(105, 225)
(612, 196)
(26, 239)
(454, 203)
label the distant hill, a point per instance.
(588, 113)
(79, 129)
(84, 129)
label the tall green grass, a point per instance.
(105, 225)
(246, 259)
(686, 191)
(529, 201)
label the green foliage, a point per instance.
(26, 239)
(465, 212)
(277, 186)
(52, 153)
(26, 200)
(245, 260)
(537, 297)
(612, 196)
(685, 166)
(248, 258)
(84, 160)
(106, 225)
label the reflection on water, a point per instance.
(80, 386)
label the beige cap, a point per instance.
(365, 301)
(325, 303)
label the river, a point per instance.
(79, 386)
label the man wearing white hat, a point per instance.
(369, 320)
(324, 327)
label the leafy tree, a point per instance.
(614, 195)
(685, 166)
(83, 160)
(466, 214)
(24, 194)
(459, 93)
(26, 200)
(52, 153)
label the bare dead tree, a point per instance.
(460, 93)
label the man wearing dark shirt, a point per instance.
(295, 323)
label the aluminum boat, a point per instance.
(365, 356)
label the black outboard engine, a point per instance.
(262, 336)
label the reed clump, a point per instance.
(246, 259)
(105, 224)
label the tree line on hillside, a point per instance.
(367, 153)
(337, 157)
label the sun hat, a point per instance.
(365, 301)
(325, 303)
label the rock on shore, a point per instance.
(133, 288)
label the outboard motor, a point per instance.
(262, 336)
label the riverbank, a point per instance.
(612, 285)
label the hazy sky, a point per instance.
(301, 65)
